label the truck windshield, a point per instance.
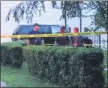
(55, 29)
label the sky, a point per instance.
(51, 16)
(7, 27)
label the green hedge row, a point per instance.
(12, 54)
(66, 66)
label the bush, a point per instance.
(11, 54)
(67, 66)
(21, 42)
(4, 55)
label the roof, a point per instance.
(25, 29)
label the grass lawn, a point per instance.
(21, 78)
(105, 58)
(106, 78)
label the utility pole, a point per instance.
(99, 41)
(80, 13)
(107, 30)
(65, 19)
(107, 24)
(80, 19)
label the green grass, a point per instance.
(21, 78)
(106, 78)
(105, 66)
(105, 58)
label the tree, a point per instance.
(69, 9)
(27, 9)
(31, 8)
(100, 17)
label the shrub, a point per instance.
(11, 54)
(4, 55)
(21, 42)
(67, 66)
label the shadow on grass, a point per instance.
(21, 78)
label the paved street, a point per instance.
(3, 84)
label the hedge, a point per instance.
(66, 66)
(21, 42)
(11, 54)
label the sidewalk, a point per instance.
(3, 84)
(106, 69)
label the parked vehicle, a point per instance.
(44, 29)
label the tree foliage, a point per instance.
(27, 9)
(100, 17)
(30, 9)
